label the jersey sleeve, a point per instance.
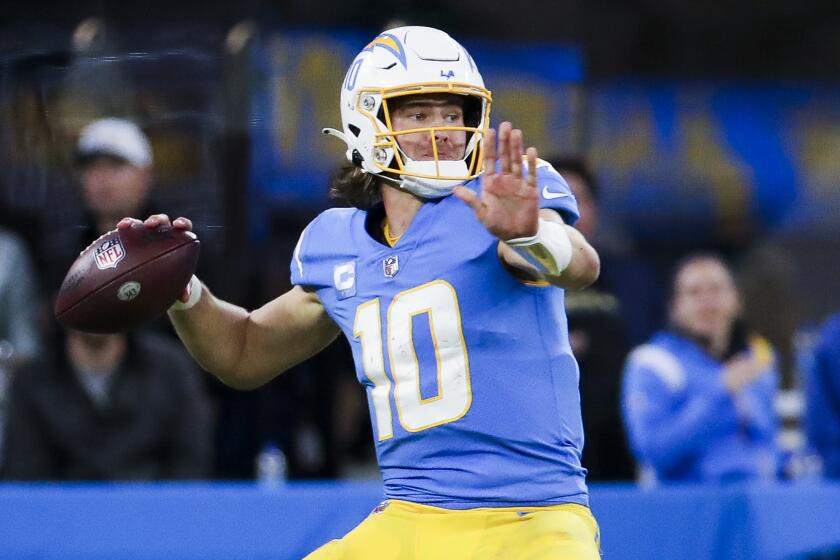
(299, 256)
(555, 193)
(322, 244)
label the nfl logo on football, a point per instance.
(109, 254)
(391, 266)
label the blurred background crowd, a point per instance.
(702, 145)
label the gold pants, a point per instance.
(406, 531)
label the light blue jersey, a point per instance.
(471, 384)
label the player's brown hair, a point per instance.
(355, 187)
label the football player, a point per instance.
(447, 280)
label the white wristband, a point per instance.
(195, 289)
(549, 251)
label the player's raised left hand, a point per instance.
(509, 204)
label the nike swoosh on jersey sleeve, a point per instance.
(549, 195)
(556, 194)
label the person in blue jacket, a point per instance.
(698, 398)
(822, 391)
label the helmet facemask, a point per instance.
(436, 175)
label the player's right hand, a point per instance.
(157, 220)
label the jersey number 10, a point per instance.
(439, 302)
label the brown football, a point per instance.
(126, 278)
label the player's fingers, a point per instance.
(503, 149)
(516, 152)
(182, 223)
(490, 152)
(531, 155)
(126, 223)
(156, 220)
(467, 196)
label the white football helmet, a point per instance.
(411, 61)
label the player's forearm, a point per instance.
(583, 269)
(580, 269)
(246, 350)
(213, 332)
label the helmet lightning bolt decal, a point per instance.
(391, 44)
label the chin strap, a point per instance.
(428, 188)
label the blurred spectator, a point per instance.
(19, 303)
(19, 306)
(115, 170)
(626, 274)
(822, 389)
(598, 339)
(115, 160)
(108, 407)
(698, 398)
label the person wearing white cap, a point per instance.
(115, 159)
(114, 172)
